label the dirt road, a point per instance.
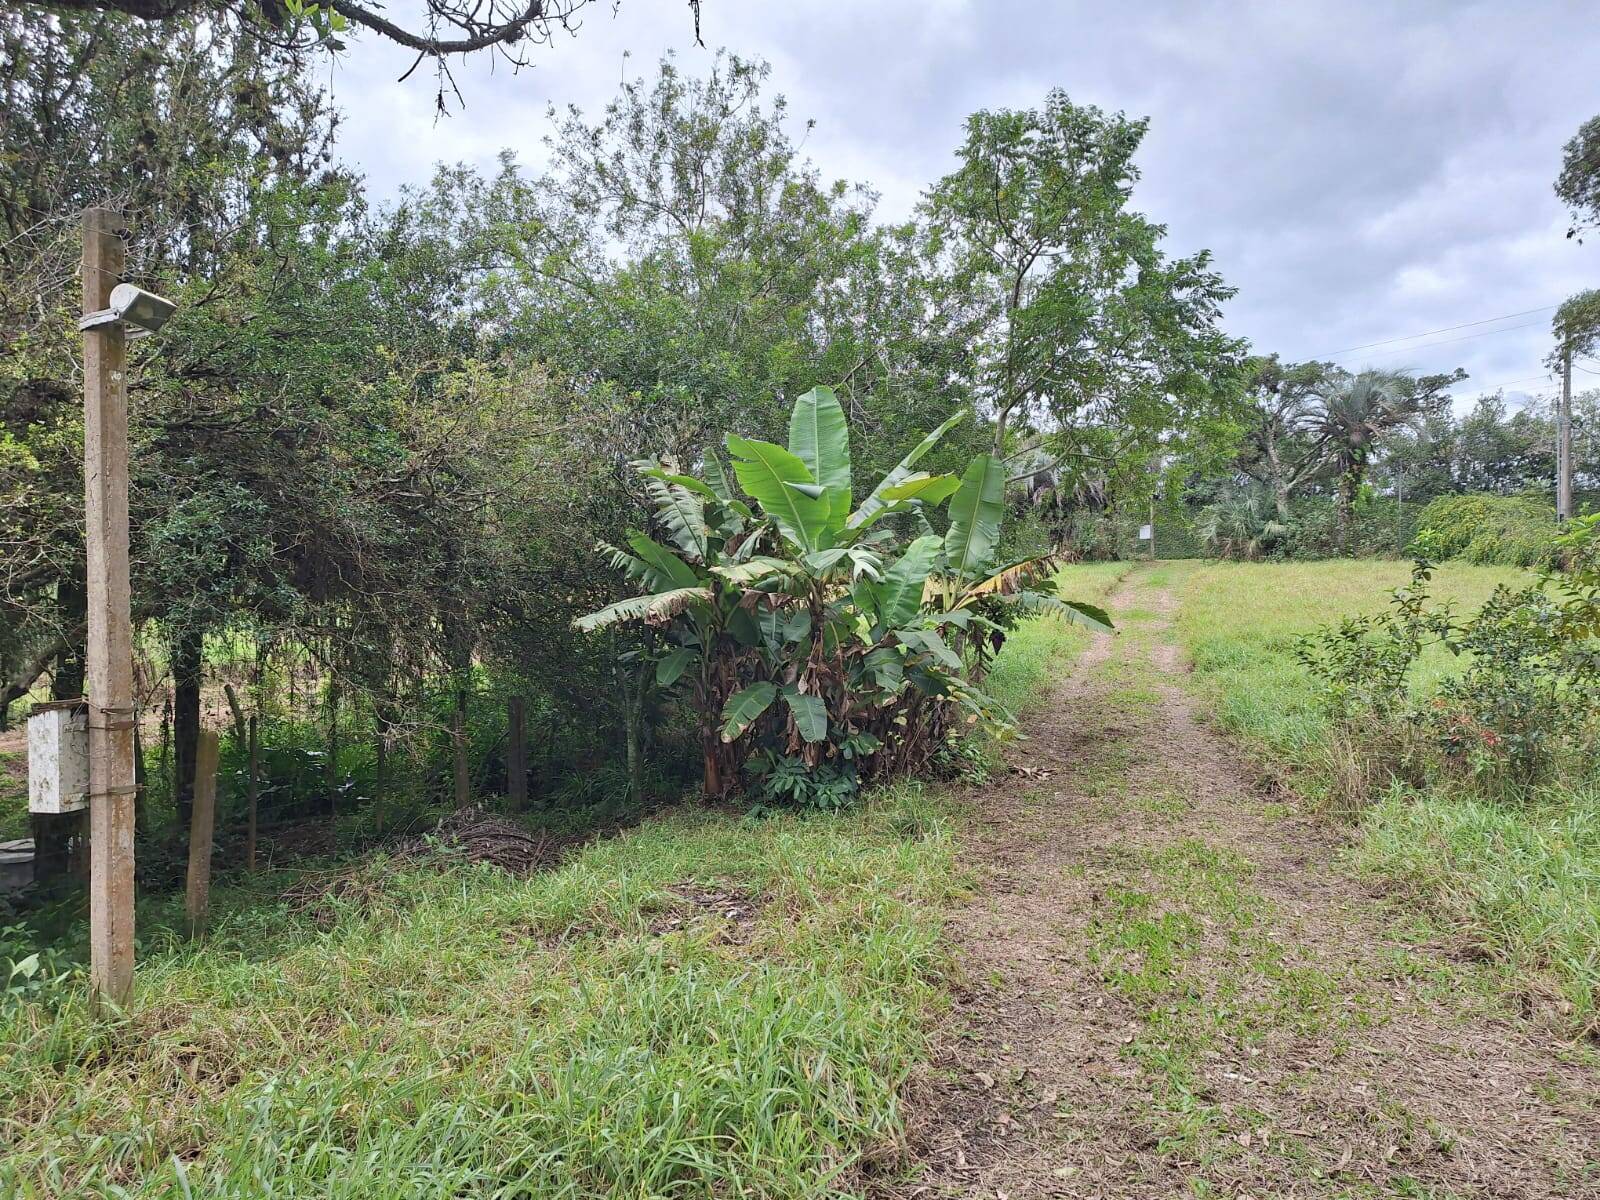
(1173, 989)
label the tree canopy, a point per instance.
(442, 30)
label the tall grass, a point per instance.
(1038, 651)
(586, 1032)
(1518, 882)
(595, 1031)
(1240, 622)
(1523, 882)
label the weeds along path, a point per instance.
(1171, 990)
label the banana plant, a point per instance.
(969, 573)
(793, 616)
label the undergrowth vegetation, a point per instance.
(1506, 531)
(819, 646)
(705, 1006)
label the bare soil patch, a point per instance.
(471, 835)
(690, 903)
(1171, 989)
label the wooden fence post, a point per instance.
(110, 635)
(462, 785)
(202, 827)
(252, 796)
(516, 753)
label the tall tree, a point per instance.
(1281, 448)
(442, 30)
(1092, 341)
(1578, 184)
(180, 127)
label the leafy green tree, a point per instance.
(441, 31)
(180, 127)
(1418, 462)
(1092, 343)
(1350, 413)
(1502, 452)
(681, 271)
(1280, 448)
(1578, 184)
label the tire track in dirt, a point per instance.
(1171, 990)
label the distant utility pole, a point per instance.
(1564, 439)
(110, 648)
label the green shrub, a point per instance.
(1507, 531)
(1527, 701)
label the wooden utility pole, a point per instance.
(110, 649)
(202, 830)
(1564, 439)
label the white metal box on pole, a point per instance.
(58, 758)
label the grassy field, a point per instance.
(1518, 883)
(1240, 621)
(705, 1006)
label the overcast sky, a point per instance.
(1362, 171)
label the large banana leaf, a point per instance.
(672, 667)
(745, 706)
(886, 668)
(976, 511)
(682, 513)
(899, 596)
(716, 478)
(930, 489)
(635, 569)
(671, 570)
(809, 712)
(765, 471)
(901, 473)
(932, 644)
(655, 609)
(1013, 577)
(1089, 615)
(922, 487)
(753, 570)
(819, 437)
(650, 470)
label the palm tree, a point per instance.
(1350, 415)
(1241, 523)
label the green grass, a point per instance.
(1240, 621)
(1522, 882)
(13, 794)
(1519, 883)
(1182, 935)
(467, 1033)
(582, 1033)
(1037, 652)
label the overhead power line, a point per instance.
(1527, 312)
(1466, 337)
(1505, 383)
